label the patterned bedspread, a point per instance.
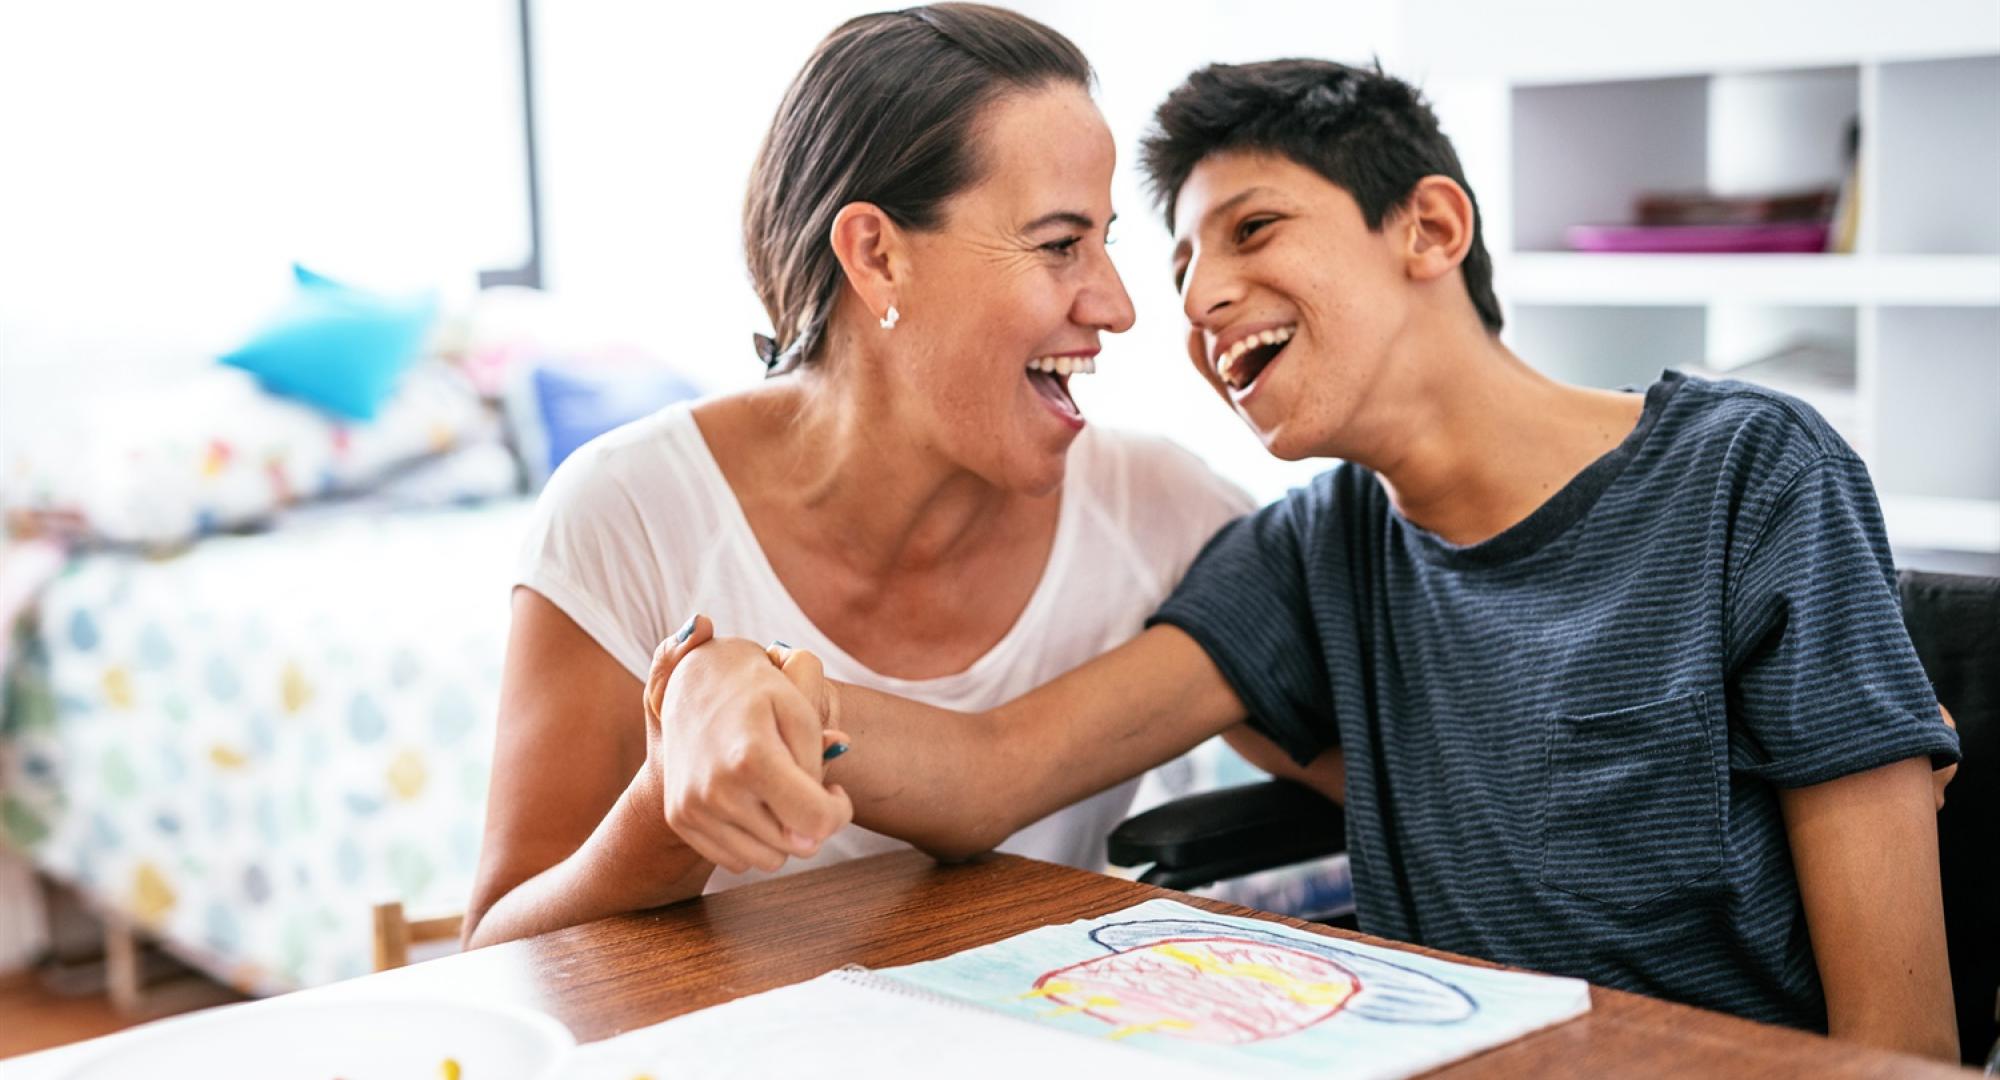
(248, 745)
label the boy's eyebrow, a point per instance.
(1216, 211)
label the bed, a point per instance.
(244, 747)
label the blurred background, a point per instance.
(300, 301)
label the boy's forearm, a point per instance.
(956, 783)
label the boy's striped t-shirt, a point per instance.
(1564, 744)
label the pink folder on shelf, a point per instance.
(1783, 236)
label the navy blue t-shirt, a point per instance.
(1564, 743)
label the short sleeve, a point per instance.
(1246, 602)
(586, 551)
(1823, 679)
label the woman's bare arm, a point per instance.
(570, 832)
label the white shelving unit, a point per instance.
(1897, 343)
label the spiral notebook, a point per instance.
(1161, 987)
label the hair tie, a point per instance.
(778, 362)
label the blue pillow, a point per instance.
(555, 408)
(337, 347)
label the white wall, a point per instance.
(165, 163)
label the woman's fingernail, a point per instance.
(681, 635)
(832, 752)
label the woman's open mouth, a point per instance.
(1049, 375)
(1245, 360)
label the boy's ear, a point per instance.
(1438, 220)
(870, 249)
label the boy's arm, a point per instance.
(1326, 774)
(952, 783)
(1865, 851)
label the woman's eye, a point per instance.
(1063, 246)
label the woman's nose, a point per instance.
(1104, 302)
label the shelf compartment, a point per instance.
(1937, 402)
(1936, 151)
(1680, 280)
(1583, 153)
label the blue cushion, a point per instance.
(337, 347)
(555, 408)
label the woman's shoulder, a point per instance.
(656, 457)
(1142, 469)
(637, 487)
(1151, 499)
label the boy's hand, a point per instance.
(735, 741)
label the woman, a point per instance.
(913, 496)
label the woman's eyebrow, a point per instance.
(1072, 218)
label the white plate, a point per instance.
(352, 1039)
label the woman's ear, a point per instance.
(1439, 219)
(870, 249)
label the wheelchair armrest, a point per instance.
(1222, 834)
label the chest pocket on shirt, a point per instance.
(1634, 810)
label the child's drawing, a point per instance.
(1213, 982)
(1248, 996)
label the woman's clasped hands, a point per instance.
(735, 735)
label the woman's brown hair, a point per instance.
(884, 112)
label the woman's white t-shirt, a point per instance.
(638, 529)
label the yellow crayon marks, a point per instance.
(1049, 989)
(1306, 993)
(1169, 1024)
(1094, 1001)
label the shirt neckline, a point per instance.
(817, 640)
(1563, 509)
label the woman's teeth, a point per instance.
(1064, 365)
(1227, 367)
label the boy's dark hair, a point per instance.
(886, 111)
(1368, 132)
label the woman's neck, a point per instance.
(819, 452)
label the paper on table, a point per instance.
(852, 1024)
(1208, 995)
(1245, 995)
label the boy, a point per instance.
(1612, 685)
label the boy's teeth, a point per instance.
(1226, 367)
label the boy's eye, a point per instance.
(1250, 226)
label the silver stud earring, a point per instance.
(889, 320)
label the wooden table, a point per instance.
(629, 971)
